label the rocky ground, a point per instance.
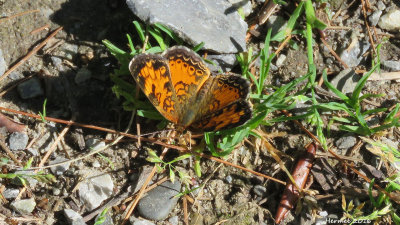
(72, 71)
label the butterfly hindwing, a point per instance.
(223, 103)
(232, 115)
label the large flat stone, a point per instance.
(194, 21)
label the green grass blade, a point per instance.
(169, 32)
(360, 84)
(198, 47)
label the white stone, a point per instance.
(95, 189)
(24, 206)
(390, 21)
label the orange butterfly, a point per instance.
(181, 87)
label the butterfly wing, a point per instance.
(230, 116)
(223, 103)
(188, 72)
(151, 72)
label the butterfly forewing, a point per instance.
(151, 73)
(188, 72)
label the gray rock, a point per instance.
(280, 60)
(18, 141)
(224, 62)
(174, 220)
(228, 179)
(24, 206)
(136, 221)
(244, 5)
(82, 75)
(94, 144)
(56, 191)
(381, 6)
(391, 65)
(70, 51)
(3, 65)
(260, 190)
(96, 164)
(346, 142)
(159, 202)
(353, 56)
(346, 81)
(60, 169)
(57, 62)
(196, 21)
(95, 189)
(390, 21)
(15, 75)
(374, 17)
(73, 217)
(30, 88)
(33, 151)
(10, 193)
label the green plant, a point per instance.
(39, 176)
(43, 115)
(162, 165)
(102, 217)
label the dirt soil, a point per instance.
(230, 195)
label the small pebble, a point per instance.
(18, 141)
(94, 144)
(381, 6)
(164, 195)
(30, 89)
(57, 62)
(25, 206)
(10, 193)
(135, 221)
(73, 217)
(374, 17)
(346, 142)
(390, 21)
(228, 179)
(174, 220)
(60, 169)
(95, 164)
(260, 190)
(70, 51)
(33, 151)
(15, 75)
(353, 56)
(95, 189)
(281, 59)
(56, 191)
(391, 65)
(3, 65)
